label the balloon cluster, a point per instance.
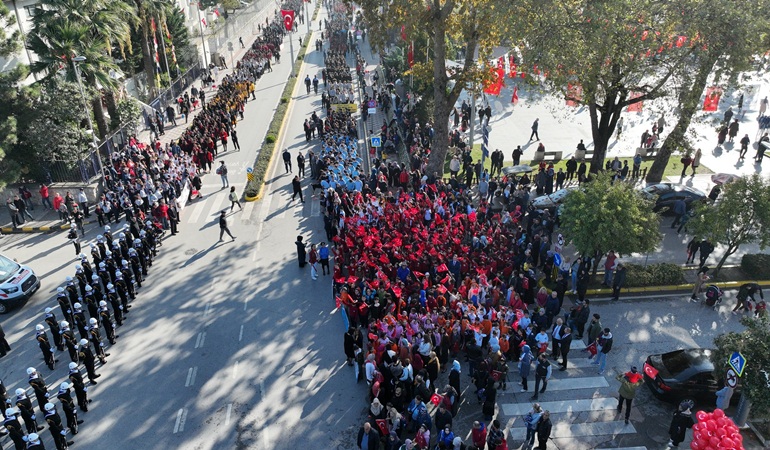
(715, 431)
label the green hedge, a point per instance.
(756, 266)
(662, 274)
(262, 164)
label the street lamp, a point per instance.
(95, 142)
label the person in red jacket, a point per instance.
(44, 196)
(479, 435)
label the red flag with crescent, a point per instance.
(288, 19)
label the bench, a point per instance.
(647, 153)
(548, 156)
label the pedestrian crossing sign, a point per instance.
(737, 362)
(376, 141)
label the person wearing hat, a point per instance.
(56, 428)
(681, 421)
(38, 385)
(45, 345)
(24, 405)
(95, 337)
(629, 383)
(13, 426)
(77, 383)
(105, 317)
(34, 442)
(80, 320)
(68, 406)
(87, 357)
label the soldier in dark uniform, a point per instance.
(128, 275)
(34, 442)
(68, 406)
(56, 428)
(96, 338)
(139, 249)
(95, 255)
(68, 336)
(114, 300)
(50, 319)
(81, 391)
(102, 248)
(107, 234)
(15, 431)
(106, 319)
(81, 279)
(88, 270)
(104, 274)
(87, 358)
(72, 291)
(38, 385)
(24, 404)
(90, 301)
(45, 346)
(64, 304)
(80, 320)
(136, 265)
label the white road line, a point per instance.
(207, 309)
(245, 304)
(197, 211)
(247, 209)
(219, 204)
(181, 417)
(240, 334)
(200, 340)
(191, 374)
(567, 430)
(562, 406)
(227, 415)
(235, 369)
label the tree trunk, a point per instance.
(441, 107)
(99, 117)
(730, 251)
(147, 56)
(603, 121)
(112, 109)
(689, 102)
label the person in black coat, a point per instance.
(681, 421)
(618, 281)
(490, 398)
(368, 438)
(544, 430)
(301, 252)
(4, 346)
(566, 342)
(353, 339)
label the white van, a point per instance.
(17, 284)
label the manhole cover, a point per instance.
(191, 252)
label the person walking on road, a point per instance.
(315, 84)
(222, 172)
(286, 160)
(700, 282)
(680, 423)
(543, 371)
(307, 83)
(629, 383)
(234, 199)
(535, 126)
(603, 346)
(525, 363)
(301, 164)
(296, 186)
(532, 420)
(301, 252)
(544, 430)
(313, 258)
(706, 247)
(745, 141)
(223, 227)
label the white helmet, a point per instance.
(89, 288)
(31, 370)
(137, 241)
(92, 321)
(124, 262)
(39, 327)
(102, 303)
(148, 223)
(20, 392)
(122, 236)
(102, 265)
(100, 238)
(83, 342)
(115, 243)
(60, 289)
(107, 228)
(92, 245)
(77, 306)
(132, 251)
(64, 324)
(73, 365)
(64, 386)
(110, 286)
(94, 277)
(9, 412)
(78, 268)
(33, 438)
(108, 254)
(82, 256)
(48, 310)
(68, 279)
(49, 407)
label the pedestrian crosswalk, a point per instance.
(575, 430)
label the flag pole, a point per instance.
(291, 51)
(203, 38)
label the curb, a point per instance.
(43, 229)
(672, 289)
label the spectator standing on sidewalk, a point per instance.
(544, 430)
(619, 281)
(26, 195)
(296, 186)
(22, 207)
(603, 346)
(14, 212)
(45, 198)
(629, 383)
(83, 202)
(609, 266)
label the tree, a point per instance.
(478, 25)
(231, 5)
(740, 216)
(754, 344)
(151, 15)
(725, 50)
(9, 89)
(601, 216)
(617, 52)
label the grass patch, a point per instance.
(674, 167)
(262, 164)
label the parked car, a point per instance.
(682, 374)
(17, 284)
(551, 201)
(665, 194)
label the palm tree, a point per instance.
(149, 11)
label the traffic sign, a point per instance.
(376, 141)
(372, 106)
(230, 46)
(556, 259)
(731, 378)
(737, 362)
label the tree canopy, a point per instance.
(601, 216)
(10, 92)
(741, 215)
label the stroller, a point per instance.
(713, 296)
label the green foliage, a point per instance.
(740, 216)
(9, 91)
(603, 216)
(270, 139)
(754, 345)
(285, 99)
(130, 113)
(663, 274)
(756, 266)
(230, 4)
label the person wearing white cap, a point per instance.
(80, 320)
(86, 356)
(34, 442)
(56, 428)
(68, 406)
(96, 338)
(45, 345)
(53, 324)
(13, 426)
(114, 299)
(77, 383)
(106, 319)
(69, 339)
(24, 405)
(38, 385)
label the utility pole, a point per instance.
(203, 37)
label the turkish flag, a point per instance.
(515, 97)
(288, 19)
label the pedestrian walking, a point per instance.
(307, 79)
(680, 423)
(618, 281)
(733, 130)
(544, 430)
(234, 200)
(315, 84)
(222, 172)
(603, 346)
(745, 141)
(696, 161)
(629, 383)
(686, 161)
(313, 258)
(700, 282)
(234, 138)
(45, 198)
(73, 237)
(301, 252)
(543, 370)
(22, 207)
(286, 160)
(525, 363)
(296, 186)
(535, 126)
(323, 256)
(223, 227)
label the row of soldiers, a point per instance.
(106, 286)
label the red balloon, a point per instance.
(711, 425)
(695, 445)
(718, 413)
(722, 422)
(696, 428)
(737, 438)
(701, 416)
(728, 443)
(714, 441)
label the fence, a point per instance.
(177, 87)
(228, 30)
(71, 171)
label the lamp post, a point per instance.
(203, 37)
(95, 142)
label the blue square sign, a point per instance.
(737, 362)
(376, 141)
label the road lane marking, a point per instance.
(181, 417)
(240, 334)
(191, 374)
(245, 304)
(227, 415)
(235, 369)
(196, 212)
(200, 340)
(207, 309)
